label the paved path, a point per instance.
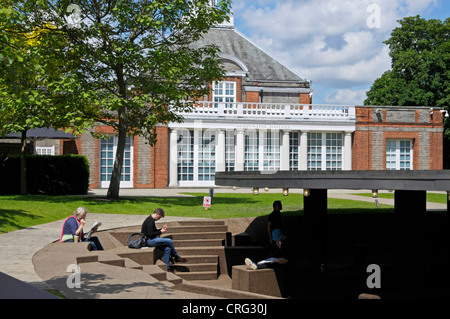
(18, 247)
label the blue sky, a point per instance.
(337, 44)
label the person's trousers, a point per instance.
(167, 245)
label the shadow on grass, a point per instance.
(10, 219)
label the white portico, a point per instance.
(218, 137)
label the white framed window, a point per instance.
(399, 154)
(108, 149)
(271, 151)
(230, 150)
(251, 151)
(185, 145)
(206, 155)
(224, 92)
(47, 150)
(325, 151)
(294, 151)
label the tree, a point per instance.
(420, 74)
(135, 60)
(31, 78)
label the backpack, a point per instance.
(137, 243)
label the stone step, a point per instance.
(197, 243)
(197, 229)
(197, 275)
(155, 271)
(209, 235)
(200, 222)
(227, 293)
(199, 251)
(200, 259)
(185, 267)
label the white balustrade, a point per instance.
(272, 110)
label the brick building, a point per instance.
(261, 117)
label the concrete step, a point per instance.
(155, 271)
(199, 251)
(200, 259)
(184, 267)
(227, 293)
(197, 275)
(197, 243)
(197, 229)
(201, 222)
(209, 235)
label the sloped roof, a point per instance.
(261, 66)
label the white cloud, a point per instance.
(327, 41)
(346, 97)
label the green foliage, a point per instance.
(52, 175)
(420, 74)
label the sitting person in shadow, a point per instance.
(278, 255)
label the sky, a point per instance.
(336, 44)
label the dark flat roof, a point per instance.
(49, 133)
(425, 180)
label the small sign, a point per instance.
(207, 202)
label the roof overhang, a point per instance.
(423, 180)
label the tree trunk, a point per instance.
(114, 185)
(23, 163)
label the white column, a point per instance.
(240, 154)
(284, 154)
(220, 151)
(303, 158)
(347, 158)
(173, 159)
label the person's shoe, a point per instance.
(179, 259)
(171, 270)
(250, 263)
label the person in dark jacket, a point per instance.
(154, 240)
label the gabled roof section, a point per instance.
(261, 66)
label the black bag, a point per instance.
(138, 242)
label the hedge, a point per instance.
(46, 174)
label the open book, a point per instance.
(93, 229)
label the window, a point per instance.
(399, 154)
(294, 144)
(186, 155)
(40, 150)
(230, 151)
(251, 151)
(271, 153)
(224, 92)
(207, 156)
(108, 148)
(325, 151)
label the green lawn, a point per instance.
(431, 197)
(18, 212)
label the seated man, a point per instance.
(278, 255)
(153, 240)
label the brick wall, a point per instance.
(377, 124)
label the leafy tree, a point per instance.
(420, 74)
(31, 77)
(134, 59)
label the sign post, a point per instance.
(207, 202)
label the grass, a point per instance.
(440, 198)
(18, 212)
